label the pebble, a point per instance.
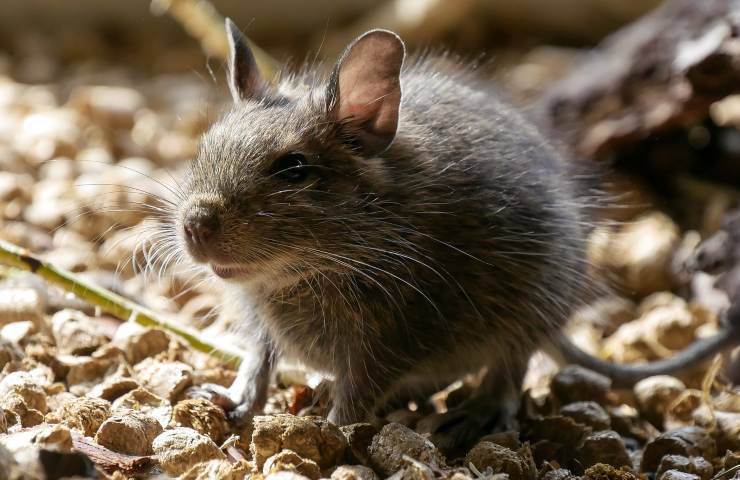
(165, 379)
(687, 441)
(694, 465)
(353, 472)
(128, 432)
(393, 442)
(678, 475)
(488, 455)
(604, 447)
(75, 333)
(218, 469)
(312, 438)
(577, 384)
(180, 448)
(588, 413)
(26, 386)
(83, 414)
(288, 460)
(20, 304)
(56, 437)
(202, 416)
(655, 394)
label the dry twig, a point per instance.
(109, 302)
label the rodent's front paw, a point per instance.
(237, 411)
(216, 394)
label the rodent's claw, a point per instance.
(241, 415)
(216, 394)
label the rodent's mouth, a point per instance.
(229, 271)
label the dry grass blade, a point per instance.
(201, 20)
(109, 302)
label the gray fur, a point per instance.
(461, 246)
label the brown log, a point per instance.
(108, 459)
(663, 71)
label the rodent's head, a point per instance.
(282, 181)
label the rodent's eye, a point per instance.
(291, 167)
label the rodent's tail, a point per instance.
(625, 376)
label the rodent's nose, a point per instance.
(200, 226)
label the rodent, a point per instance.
(394, 225)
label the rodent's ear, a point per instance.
(365, 89)
(245, 80)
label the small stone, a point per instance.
(129, 432)
(142, 400)
(288, 460)
(602, 471)
(353, 472)
(219, 469)
(83, 414)
(559, 474)
(26, 416)
(139, 399)
(694, 465)
(84, 369)
(113, 387)
(57, 437)
(18, 333)
(509, 439)
(558, 429)
(655, 394)
(678, 475)
(312, 438)
(9, 352)
(577, 384)
(687, 441)
(165, 379)
(285, 476)
(26, 386)
(359, 437)
(604, 447)
(76, 333)
(500, 459)
(395, 441)
(138, 344)
(588, 413)
(414, 470)
(202, 416)
(181, 448)
(20, 304)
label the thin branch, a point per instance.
(109, 302)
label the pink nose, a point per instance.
(200, 226)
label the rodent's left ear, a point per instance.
(365, 89)
(245, 80)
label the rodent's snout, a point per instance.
(201, 223)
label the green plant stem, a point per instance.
(109, 302)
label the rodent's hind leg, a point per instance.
(359, 392)
(248, 394)
(491, 408)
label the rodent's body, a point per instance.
(469, 251)
(396, 232)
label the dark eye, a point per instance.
(290, 167)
